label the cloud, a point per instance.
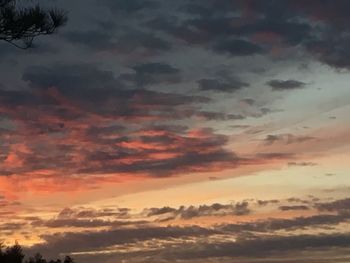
(249, 101)
(111, 37)
(243, 248)
(168, 213)
(216, 27)
(155, 68)
(263, 28)
(237, 47)
(71, 78)
(139, 41)
(302, 164)
(293, 224)
(263, 246)
(81, 104)
(156, 76)
(127, 7)
(333, 22)
(293, 207)
(341, 205)
(271, 18)
(221, 86)
(10, 226)
(189, 242)
(275, 155)
(290, 84)
(331, 51)
(92, 240)
(101, 40)
(84, 105)
(83, 223)
(68, 213)
(209, 115)
(188, 161)
(286, 139)
(151, 74)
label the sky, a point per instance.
(180, 131)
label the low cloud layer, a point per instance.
(212, 242)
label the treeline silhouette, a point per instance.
(14, 254)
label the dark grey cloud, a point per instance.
(238, 209)
(132, 41)
(96, 39)
(289, 84)
(84, 104)
(188, 161)
(221, 86)
(293, 207)
(244, 248)
(342, 205)
(164, 128)
(261, 112)
(252, 238)
(249, 101)
(68, 213)
(220, 20)
(155, 68)
(11, 226)
(70, 242)
(90, 103)
(297, 200)
(237, 47)
(118, 39)
(302, 164)
(272, 25)
(209, 115)
(320, 30)
(286, 139)
(152, 73)
(83, 223)
(225, 28)
(128, 7)
(266, 202)
(218, 27)
(71, 78)
(265, 246)
(275, 155)
(332, 51)
(88, 218)
(88, 86)
(274, 224)
(160, 211)
(40, 47)
(330, 38)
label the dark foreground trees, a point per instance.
(14, 254)
(20, 25)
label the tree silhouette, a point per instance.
(14, 254)
(20, 25)
(68, 259)
(38, 258)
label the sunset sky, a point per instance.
(180, 131)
